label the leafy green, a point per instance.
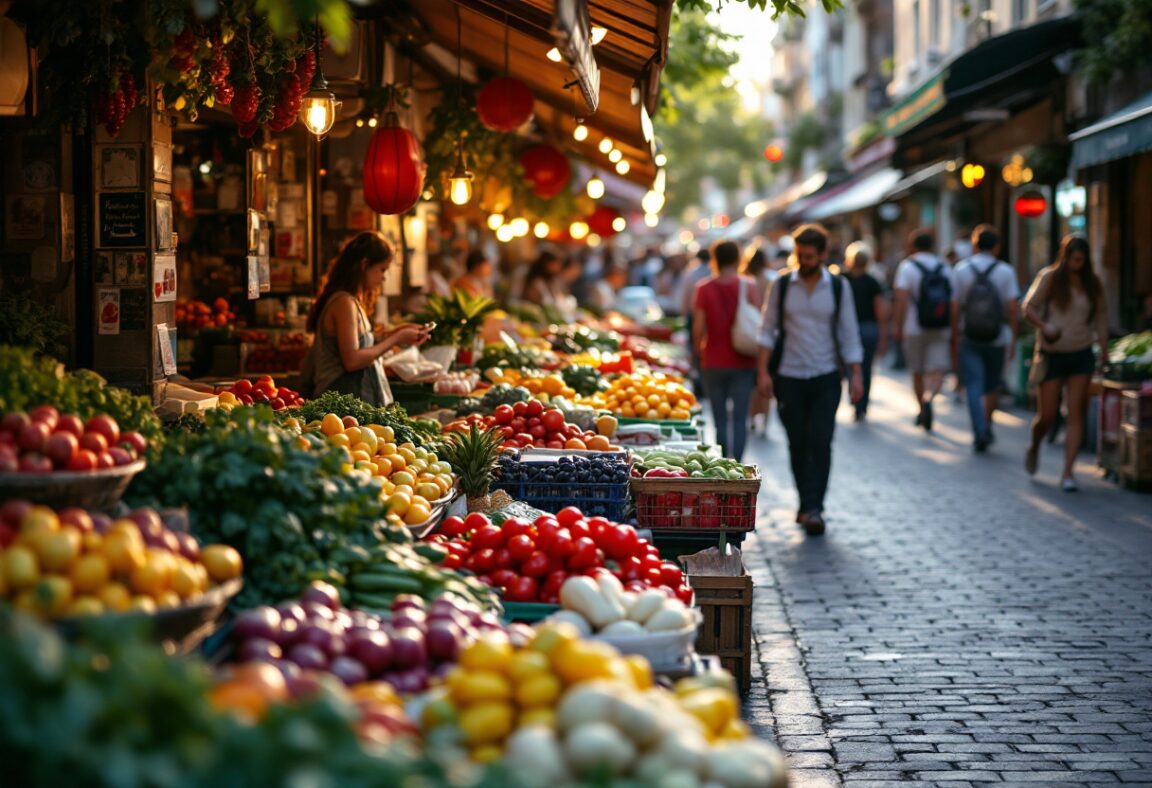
(583, 379)
(26, 322)
(30, 380)
(458, 317)
(407, 430)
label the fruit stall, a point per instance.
(478, 593)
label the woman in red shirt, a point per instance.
(729, 377)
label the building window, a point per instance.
(916, 36)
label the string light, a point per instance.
(495, 221)
(595, 187)
(593, 240)
(615, 155)
(606, 145)
(541, 230)
(619, 224)
(578, 230)
(372, 123)
(505, 234)
(660, 160)
(519, 226)
(580, 133)
(651, 219)
(622, 167)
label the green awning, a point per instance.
(1124, 133)
(926, 100)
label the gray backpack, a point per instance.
(983, 311)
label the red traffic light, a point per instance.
(773, 153)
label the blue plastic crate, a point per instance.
(598, 499)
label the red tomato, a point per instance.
(555, 444)
(572, 431)
(586, 555)
(537, 564)
(562, 546)
(533, 421)
(538, 432)
(684, 594)
(553, 582)
(603, 521)
(476, 521)
(617, 541)
(524, 439)
(484, 560)
(652, 577)
(534, 407)
(552, 419)
(503, 414)
(522, 589)
(488, 537)
(569, 515)
(452, 526)
(630, 568)
(670, 575)
(520, 408)
(519, 424)
(502, 558)
(515, 526)
(503, 578)
(452, 561)
(580, 528)
(546, 522)
(520, 547)
(652, 562)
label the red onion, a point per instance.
(407, 601)
(308, 656)
(322, 638)
(322, 593)
(348, 670)
(443, 641)
(259, 649)
(259, 622)
(409, 681)
(408, 648)
(372, 647)
(314, 610)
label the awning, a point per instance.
(630, 59)
(1001, 71)
(916, 178)
(787, 198)
(863, 192)
(1124, 133)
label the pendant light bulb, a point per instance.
(580, 133)
(622, 167)
(319, 105)
(519, 226)
(504, 234)
(541, 230)
(615, 155)
(606, 145)
(495, 221)
(595, 187)
(619, 224)
(651, 219)
(460, 181)
(578, 230)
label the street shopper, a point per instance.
(809, 333)
(1066, 305)
(541, 286)
(477, 277)
(345, 354)
(757, 266)
(697, 271)
(729, 375)
(923, 317)
(603, 291)
(985, 324)
(871, 314)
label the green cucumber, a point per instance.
(380, 581)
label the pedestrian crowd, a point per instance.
(794, 335)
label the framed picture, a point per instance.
(131, 268)
(290, 243)
(105, 268)
(164, 226)
(164, 277)
(67, 227)
(108, 311)
(255, 225)
(24, 217)
(119, 166)
(40, 161)
(162, 161)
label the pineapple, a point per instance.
(472, 456)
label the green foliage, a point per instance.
(808, 133)
(779, 7)
(698, 53)
(30, 380)
(1117, 34)
(406, 429)
(458, 317)
(26, 322)
(487, 154)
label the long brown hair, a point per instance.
(346, 273)
(1061, 292)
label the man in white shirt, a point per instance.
(925, 332)
(800, 362)
(985, 324)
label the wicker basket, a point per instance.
(98, 490)
(714, 504)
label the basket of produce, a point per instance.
(68, 564)
(694, 490)
(60, 460)
(651, 624)
(596, 484)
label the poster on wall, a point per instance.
(133, 309)
(24, 218)
(108, 311)
(131, 268)
(164, 227)
(119, 166)
(105, 268)
(164, 277)
(162, 161)
(122, 219)
(253, 277)
(166, 344)
(67, 228)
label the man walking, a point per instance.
(809, 331)
(923, 319)
(985, 324)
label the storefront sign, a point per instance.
(123, 219)
(927, 100)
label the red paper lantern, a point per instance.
(547, 169)
(600, 221)
(1031, 204)
(504, 104)
(393, 169)
(773, 153)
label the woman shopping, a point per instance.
(1066, 305)
(729, 376)
(345, 355)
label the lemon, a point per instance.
(20, 567)
(490, 652)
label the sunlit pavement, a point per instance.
(959, 621)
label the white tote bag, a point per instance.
(746, 326)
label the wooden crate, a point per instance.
(1136, 409)
(726, 603)
(1135, 456)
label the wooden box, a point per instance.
(1135, 456)
(726, 603)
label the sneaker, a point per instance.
(861, 415)
(919, 422)
(814, 524)
(926, 416)
(980, 445)
(1069, 485)
(1031, 459)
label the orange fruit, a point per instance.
(114, 596)
(222, 562)
(331, 424)
(575, 443)
(124, 553)
(90, 573)
(598, 443)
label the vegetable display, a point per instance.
(406, 430)
(263, 392)
(659, 463)
(653, 397)
(43, 441)
(583, 379)
(532, 424)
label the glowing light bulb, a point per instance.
(554, 55)
(606, 145)
(205, 167)
(623, 167)
(519, 226)
(495, 220)
(541, 230)
(598, 34)
(615, 155)
(460, 181)
(580, 133)
(660, 160)
(318, 111)
(359, 123)
(619, 224)
(578, 230)
(651, 219)
(372, 123)
(652, 202)
(595, 187)
(505, 234)
(593, 240)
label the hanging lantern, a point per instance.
(504, 104)
(393, 168)
(547, 169)
(774, 153)
(602, 221)
(1031, 204)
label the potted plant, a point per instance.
(473, 456)
(458, 320)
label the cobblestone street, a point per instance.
(958, 621)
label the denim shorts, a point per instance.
(1066, 365)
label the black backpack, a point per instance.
(983, 310)
(778, 348)
(934, 302)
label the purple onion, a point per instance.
(348, 670)
(189, 547)
(409, 682)
(407, 601)
(343, 619)
(292, 610)
(408, 648)
(373, 648)
(308, 656)
(290, 669)
(314, 610)
(322, 593)
(321, 637)
(259, 649)
(405, 619)
(258, 622)
(443, 641)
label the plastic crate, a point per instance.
(594, 500)
(726, 603)
(715, 505)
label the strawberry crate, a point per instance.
(713, 504)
